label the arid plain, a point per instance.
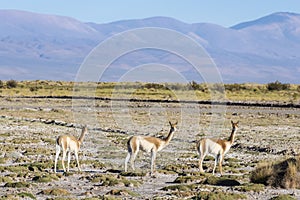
(29, 127)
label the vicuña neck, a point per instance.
(80, 140)
(232, 135)
(170, 136)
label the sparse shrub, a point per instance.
(177, 86)
(218, 196)
(44, 178)
(33, 89)
(1, 84)
(17, 185)
(3, 160)
(221, 181)
(16, 169)
(26, 195)
(68, 173)
(5, 179)
(123, 192)
(112, 180)
(284, 174)
(252, 187)
(154, 86)
(11, 84)
(55, 192)
(107, 180)
(262, 173)
(180, 187)
(195, 85)
(283, 197)
(9, 196)
(133, 174)
(291, 178)
(218, 87)
(234, 87)
(178, 168)
(187, 179)
(39, 166)
(278, 86)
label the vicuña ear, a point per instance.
(173, 124)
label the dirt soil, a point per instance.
(29, 127)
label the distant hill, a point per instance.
(38, 46)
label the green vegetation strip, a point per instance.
(274, 92)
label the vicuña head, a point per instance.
(68, 144)
(216, 147)
(148, 144)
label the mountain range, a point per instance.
(48, 47)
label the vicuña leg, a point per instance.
(153, 156)
(127, 160)
(63, 160)
(202, 155)
(217, 158)
(77, 160)
(69, 159)
(132, 159)
(200, 163)
(220, 164)
(57, 152)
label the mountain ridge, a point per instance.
(43, 46)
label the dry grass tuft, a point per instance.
(26, 195)
(123, 192)
(21, 184)
(251, 187)
(221, 181)
(284, 174)
(219, 195)
(283, 197)
(56, 192)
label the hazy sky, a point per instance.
(222, 12)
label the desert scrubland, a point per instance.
(263, 162)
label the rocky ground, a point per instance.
(28, 128)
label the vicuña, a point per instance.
(68, 144)
(216, 147)
(148, 144)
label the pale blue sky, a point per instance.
(222, 12)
